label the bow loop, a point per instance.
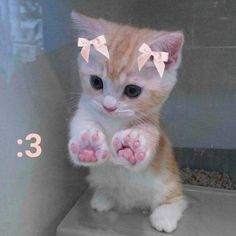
(99, 40)
(98, 43)
(83, 42)
(145, 49)
(158, 58)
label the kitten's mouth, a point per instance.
(109, 109)
(117, 111)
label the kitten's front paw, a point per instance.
(89, 148)
(130, 148)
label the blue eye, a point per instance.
(132, 91)
(96, 82)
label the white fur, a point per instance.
(101, 202)
(165, 217)
(127, 188)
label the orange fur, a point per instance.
(165, 162)
(123, 50)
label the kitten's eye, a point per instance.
(132, 90)
(96, 82)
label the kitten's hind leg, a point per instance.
(101, 201)
(165, 217)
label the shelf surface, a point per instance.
(211, 212)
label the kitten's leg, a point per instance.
(101, 201)
(165, 217)
(88, 147)
(134, 148)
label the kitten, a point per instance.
(116, 130)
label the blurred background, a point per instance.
(39, 89)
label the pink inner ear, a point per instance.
(171, 60)
(171, 43)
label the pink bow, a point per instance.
(158, 58)
(98, 43)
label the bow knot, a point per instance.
(158, 58)
(98, 43)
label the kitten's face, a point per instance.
(115, 87)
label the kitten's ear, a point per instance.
(172, 43)
(84, 26)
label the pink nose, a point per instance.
(109, 109)
(109, 103)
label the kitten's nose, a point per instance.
(110, 103)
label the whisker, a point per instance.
(138, 115)
(94, 102)
(130, 112)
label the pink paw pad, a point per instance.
(126, 153)
(136, 144)
(127, 139)
(74, 148)
(95, 137)
(87, 155)
(88, 148)
(85, 137)
(130, 148)
(140, 156)
(116, 143)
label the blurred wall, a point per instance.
(35, 193)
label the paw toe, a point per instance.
(140, 156)
(165, 226)
(74, 148)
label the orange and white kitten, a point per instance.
(116, 130)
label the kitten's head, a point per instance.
(115, 87)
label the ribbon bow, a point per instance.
(98, 43)
(158, 58)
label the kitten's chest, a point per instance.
(130, 188)
(111, 126)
